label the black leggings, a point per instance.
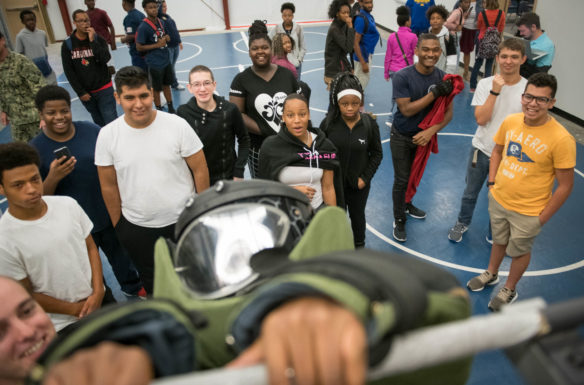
(139, 243)
(355, 201)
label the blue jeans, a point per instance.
(102, 106)
(403, 153)
(475, 178)
(476, 68)
(173, 52)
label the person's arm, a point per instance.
(251, 124)
(320, 340)
(375, 154)
(345, 40)
(198, 165)
(409, 108)
(387, 62)
(149, 47)
(242, 143)
(108, 182)
(565, 178)
(52, 304)
(484, 112)
(359, 54)
(58, 170)
(301, 44)
(112, 31)
(423, 137)
(452, 21)
(93, 302)
(328, 188)
(501, 25)
(495, 161)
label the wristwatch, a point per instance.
(489, 183)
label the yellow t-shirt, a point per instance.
(525, 177)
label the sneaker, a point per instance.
(455, 233)
(479, 282)
(388, 123)
(504, 297)
(179, 87)
(415, 212)
(472, 90)
(399, 231)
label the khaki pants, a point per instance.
(362, 76)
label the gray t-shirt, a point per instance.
(32, 43)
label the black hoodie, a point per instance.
(284, 149)
(217, 130)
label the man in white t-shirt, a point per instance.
(495, 98)
(45, 242)
(149, 164)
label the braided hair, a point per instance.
(343, 81)
(258, 30)
(278, 45)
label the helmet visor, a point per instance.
(213, 254)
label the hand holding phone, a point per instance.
(61, 152)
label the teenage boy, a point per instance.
(131, 23)
(366, 38)
(149, 164)
(217, 122)
(495, 98)
(85, 56)
(45, 242)
(529, 27)
(32, 43)
(76, 177)
(20, 80)
(415, 88)
(152, 40)
(102, 23)
(531, 150)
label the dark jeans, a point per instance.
(119, 259)
(139, 242)
(139, 61)
(475, 178)
(355, 201)
(477, 67)
(403, 153)
(173, 53)
(102, 106)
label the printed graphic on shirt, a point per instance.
(362, 141)
(514, 150)
(270, 108)
(81, 53)
(422, 3)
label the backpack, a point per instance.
(489, 44)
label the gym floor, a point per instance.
(556, 271)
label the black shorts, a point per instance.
(160, 77)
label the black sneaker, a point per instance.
(399, 231)
(415, 212)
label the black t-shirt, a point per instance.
(409, 83)
(264, 100)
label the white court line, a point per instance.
(2, 200)
(534, 273)
(192, 56)
(244, 38)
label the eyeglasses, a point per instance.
(206, 84)
(541, 100)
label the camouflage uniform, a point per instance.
(20, 80)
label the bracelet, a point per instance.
(495, 93)
(490, 183)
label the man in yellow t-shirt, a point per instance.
(531, 150)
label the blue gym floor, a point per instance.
(556, 272)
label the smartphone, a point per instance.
(61, 152)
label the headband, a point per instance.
(348, 91)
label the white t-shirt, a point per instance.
(507, 103)
(153, 177)
(470, 21)
(50, 251)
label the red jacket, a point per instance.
(435, 116)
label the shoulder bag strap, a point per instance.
(402, 49)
